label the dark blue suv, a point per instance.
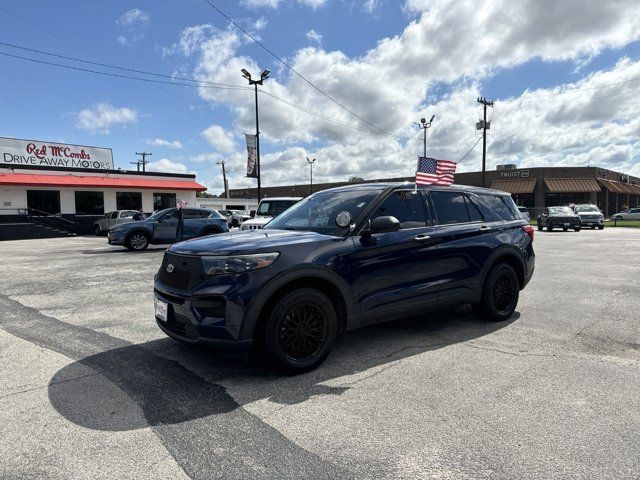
(344, 258)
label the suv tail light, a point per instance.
(529, 231)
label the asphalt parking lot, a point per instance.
(90, 388)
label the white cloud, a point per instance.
(165, 143)
(219, 138)
(314, 36)
(166, 165)
(260, 24)
(133, 17)
(273, 4)
(100, 117)
(447, 43)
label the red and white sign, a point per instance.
(56, 155)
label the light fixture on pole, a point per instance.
(263, 76)
(311, 162)
(424, 125)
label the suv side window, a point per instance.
(114, 214)
(497, 207)
(450, 207)
(406, 206)
(190, 214)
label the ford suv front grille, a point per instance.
(181, 272)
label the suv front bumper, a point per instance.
(210, 319)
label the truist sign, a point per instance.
(46, 154)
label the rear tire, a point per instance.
(577, 229)
(549, 228)
(601, 227)
(565, 229)
(300, 331)
(500, 294)
(137, 241)
(234, 223)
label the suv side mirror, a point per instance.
(384, 224)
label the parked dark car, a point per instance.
(559, 217)
(344, 258)
(164, 227)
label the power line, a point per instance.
(329, 119)
(196, 83)
(117, 75)
(107, 65)
(314, 86)
(470, 150)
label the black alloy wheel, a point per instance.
(137, 241)
(300, 331)
(500, 294)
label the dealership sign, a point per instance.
(46, 154)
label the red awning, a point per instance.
(79, 181)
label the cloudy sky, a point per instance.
(564, 74)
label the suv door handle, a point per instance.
(485, 228)
(421, 237)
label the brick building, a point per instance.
(534, 188)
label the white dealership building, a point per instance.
(79, 184)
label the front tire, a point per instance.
(577, 229)
(137, 241)
(300, 331)
(500, 294)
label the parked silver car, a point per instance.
(630, 214)
(525, 213)
(590, 216)
(110, 219)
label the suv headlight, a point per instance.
(219, 265)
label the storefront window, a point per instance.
(128, 200)
(164, 200)
(89, 203)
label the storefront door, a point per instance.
(44, 201)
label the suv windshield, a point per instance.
(273, 208)
(560, 210)
(317, 213)
(587, 208)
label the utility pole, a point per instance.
(311, 162)
(263, 76)
(482, 124)
(143, 161)
(424, 125)
(136, 163)
(224, 178)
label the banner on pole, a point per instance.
(252, 156)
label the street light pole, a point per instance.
(311, 162)
(255, 83)
(424, 125)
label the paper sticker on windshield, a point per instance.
(361, 204)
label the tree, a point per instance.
(356, 180)
(205, 195)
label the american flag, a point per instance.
(435, 172)
(181, 203)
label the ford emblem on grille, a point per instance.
(170, 268)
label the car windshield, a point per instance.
(317, 213)
(215, 214)
(158, 214)
(273, 208)
(587, 208)
(566, 210)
